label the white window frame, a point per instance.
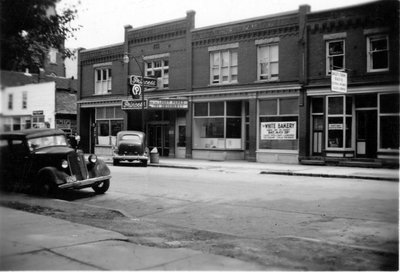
(161, 66)
(329, 56)
(104, 84)
(369, 52)
(268, 62)
(231, 66)
(53, 55)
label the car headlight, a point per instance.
(64, 164)
(93, 158)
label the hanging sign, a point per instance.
(338, 81)
(147, 82)
(132, 104)
(278, 130)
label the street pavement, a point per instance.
(35, 242)
(278, 168)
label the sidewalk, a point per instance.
(35, 242)
(278, 168)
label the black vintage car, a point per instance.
(43, 161)
(131, 146)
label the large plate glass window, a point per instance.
(218, 125)
(335, 56)
(339, 123)
(278, 123)
(109, 121)
(378, 53)
(389, 122)
(103, 81)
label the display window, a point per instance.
(278, 123)
(339, 122)
(218, 125)
(389, 121)
(109, 121)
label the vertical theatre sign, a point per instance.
(278, 130)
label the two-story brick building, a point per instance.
(257, 89)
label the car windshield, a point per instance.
(54, 140)
(131, 138)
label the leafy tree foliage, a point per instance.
(29, 28)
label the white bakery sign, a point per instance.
(278, 130)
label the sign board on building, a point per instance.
(37, 112)
(148, 81)
(132, 104)
(338, 81)
(278, 130)
(168, 104)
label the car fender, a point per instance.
(57, 176)
(98, 169)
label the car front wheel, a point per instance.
(101, 187)
(46, 185)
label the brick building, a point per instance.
(257, 89)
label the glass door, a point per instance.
(159, 138)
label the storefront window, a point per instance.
(218, 125)
(109, 122)
(278, 123)
(389, 121)
(339, 122)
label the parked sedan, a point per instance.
(131, 146)
(43, 161)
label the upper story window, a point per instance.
(24, 100)
(103, 81)
(223, 64)
(10, 101)
(268, 62)
(335, 56)
(158, 69)
(377, 53)
(53, 55)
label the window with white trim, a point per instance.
(335, 56)
(158, 69)
(378, 53)
(53, 55)
(268, 62)
(224, 66)
(103, 81)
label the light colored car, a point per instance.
(131, 146)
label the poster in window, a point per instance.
(278, 130)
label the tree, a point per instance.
(29, 28)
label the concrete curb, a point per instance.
(289, 173)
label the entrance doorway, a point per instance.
(159, 138)
(366, 133)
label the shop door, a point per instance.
(317, 134)
(158, 137)
(366, 133)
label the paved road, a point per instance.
(358, 218)
(288, 222)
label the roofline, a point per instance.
(346, 7)
(100, 47)
(157, 24)
(292, 12)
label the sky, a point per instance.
(102, 21)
